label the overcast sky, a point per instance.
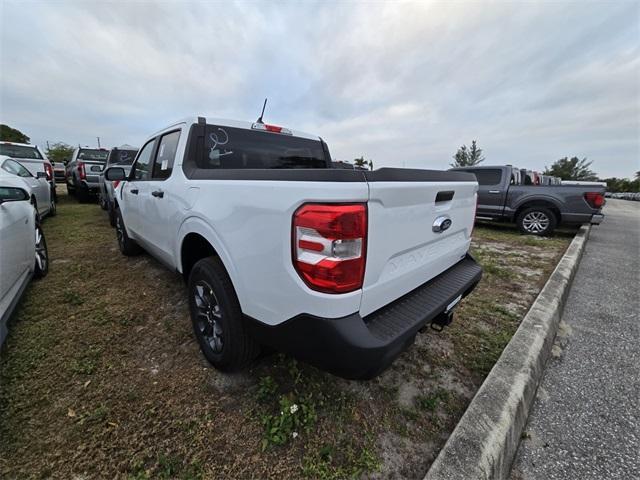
(402, 84)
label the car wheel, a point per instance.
(42, 254)
(102, 201)
(217, 318)
(536, 221)
(127, 246)
(111, 211)
(83, 194)
(70, 190)
(53, 208)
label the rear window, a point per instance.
(487, 176)
(231, 148)
(122, 157)
(19, 151)
(93, 154)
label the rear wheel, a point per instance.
(536, 221)
(217, 318)
(41, 267)
(103, 201)
(53, 208)
(127, 246)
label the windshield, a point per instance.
(228, 147)
(93, 154)
(122, 157)
(19, 151)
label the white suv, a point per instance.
(338, 267)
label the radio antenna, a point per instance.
(262, 113)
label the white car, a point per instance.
(338, 267)
(37, 186)
(23, 249)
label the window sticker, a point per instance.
(164, 165)
(161, 152)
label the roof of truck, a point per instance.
(225, 122)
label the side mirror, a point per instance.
(114, 174)
(12, 194)
(41, 175)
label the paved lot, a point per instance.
(585, 421)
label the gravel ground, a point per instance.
(585, 422)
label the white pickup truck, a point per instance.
(340, 268)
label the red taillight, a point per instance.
(81, 171)
(329, 246)
(49, 171)
(594, 199)
(115, 184)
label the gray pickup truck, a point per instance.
(83, 171)
(536, 209)
(122, 156)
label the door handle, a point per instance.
(494, 191)
(134, 191)
(158, 193)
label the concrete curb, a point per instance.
(484, 443)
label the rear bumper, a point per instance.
(361, 348)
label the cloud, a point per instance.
(402, 83)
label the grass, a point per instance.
(101, 377)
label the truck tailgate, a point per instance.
(404, 250)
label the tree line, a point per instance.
(565, 168)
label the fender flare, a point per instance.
(196, 224)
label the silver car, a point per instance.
(122, 156)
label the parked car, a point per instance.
(122, 156)
(338, 267)
(83, 171)
(59, 172)
(24, 249)
(32, 158)
(536, 210)
(37, 186)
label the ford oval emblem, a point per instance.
(441, 224)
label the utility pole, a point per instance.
(48, 145)
(98, 141)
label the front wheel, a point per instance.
(127, 246)
(217, 318)
(536, 221)
(41, 267)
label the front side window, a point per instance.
(230, 148)
(142, 167)
(15, 168)
(166, 155)
(19, 151)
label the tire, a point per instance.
(127, 246)
(102, 202)
(217, 318)
(83, 194)
(53, 208)
(111, 211)
(41, 267)
(537, 221)
(71, 191)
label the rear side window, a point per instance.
(166, 155)
(231, 148)
(19, 151)
(487, 176)
(142, 167)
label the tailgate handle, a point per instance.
(445, 196)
